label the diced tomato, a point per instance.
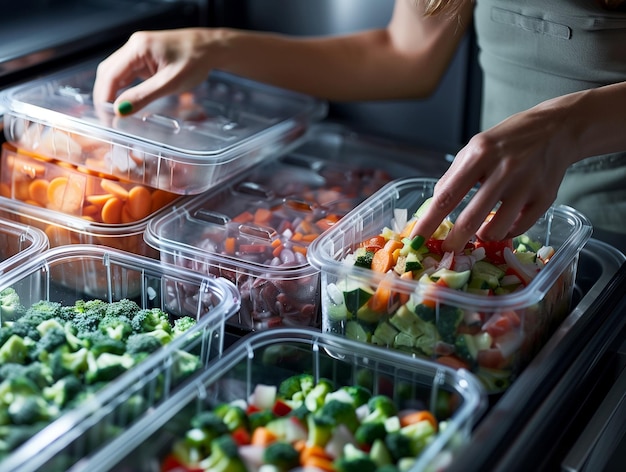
(452, 361)
(280, 408)
(172, 464)
(498, 325)
(494, 250)
(491, 358)
(434, 245)
(374, 243)
(241, 436)
(252, 409)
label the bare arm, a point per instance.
(404, 60)
(521, 163)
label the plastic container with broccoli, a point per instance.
(292, 398)
(488, 309)
(76, 369)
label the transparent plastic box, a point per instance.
(82, 429)
(18, 243)
(183, 143)
(76, 191)
(417, 313)
(256, 230)
(269, 357)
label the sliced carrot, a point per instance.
(160, 198)
(312, 450)
(310, 237)
(392, 245)
(383, 295)
(38, 191)
(262, 436)
(139, 202)
(406, 231)
(417, 416)
(297, 236)
(100, 199)
(34, 203)
(29, 167)
(244, 217)
(113, 187)
(319, 463)
(230, 245)
(112, 211)
(262, 215)
(126, 217)
(301, 249)
(299, 445)
(403, 296)
(20, 190)
(66, 194)
(382, 261)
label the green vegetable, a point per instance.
(224, 456)
(340, 413)
(380, 407)
(232, 415)
(282, 455)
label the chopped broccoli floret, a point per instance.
(320, 429)
(142, 343)
(151, 319)
(185, 364)
(122, 308)
(10, 306)
(97, 342)
(341, 413)
(367, 433)
(398, 445)
(182, 324)
(164, 337)
(314, 399)
(116, 327)
(64, 362)
(281, 455)
(260, 418)
(24, 330)
(37, 372)
(30, 410)
(296, 387)
(52, 339)
(360, 395)
(108, 366)
(232, 415)
(356, 464)
(41, 311)
(63, 390)
(224, 456)
(380, 407)
(14, 349)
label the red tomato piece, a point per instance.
(434, 246)
(172, 464)
(498, 325)
(241, 436)
(491, 358)
(494, 250)
(280, 408)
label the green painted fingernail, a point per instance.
(125, 107)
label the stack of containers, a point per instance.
(461, 324)
(256, 230)
(86, 176)
(45, 414)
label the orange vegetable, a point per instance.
(382, 261)
(406, 231)
(262, 215)
(383, 295)
(262, 436)
(244, 217)
(100, 199)
(113, 187)
(319, 463)
(139, 202)
(311, 450)
(38, 191)
(417, 416)
(230, 245)
(65, 194)
(112, 211)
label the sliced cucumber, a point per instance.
(355, 295)
(355, 331)
(485, 275)
(452, 278)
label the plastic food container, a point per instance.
(256, 230)
(270, 357)
(81, 430)
(184, 144)
(66, 188)
(18, 243)
(417, 313)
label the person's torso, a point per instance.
(533, 50)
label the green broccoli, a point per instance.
(315, 398)
(122, 308)
(359, 395)
(380, 407)
(281, 455)
(419, 435)
(232, 415)
(10, 306)
(63, 391)
(320, 429)
(448, 320)
(142, 343)
(341, 413)
(41, 311)
(260, 418)
(185, 364)
(85, 322)
(14, 349)
(116, 327)
(24, 403)
(98, 343)
(182, 325)
(367, 433)
(224, 456)
(151, 319)
(356, 464)
(108, 366)
(37, 372)
(52, 339)
(63, 362)
(24, 330)
(164, 337)
(398, 445)
(295, 388)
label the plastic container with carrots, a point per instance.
(18, 243)
(256, 231)
(183, 144)
(430, 306)
(71, 205)
(252, 371)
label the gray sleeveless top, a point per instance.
(533, 50)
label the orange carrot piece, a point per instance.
(113, 187)
(112, 211)
(301, 249)
(100, 199)
(65, 194)
(319, 463)
(38, 191)
(382, 261)
(230, 245)
(139, 202)
(406, 231)
(244, 217)
(5, 190)
(417, 416)
(403, 296)
(382, 298)
(262, 215)
(262, 436)
(160, 198)
(311, 450)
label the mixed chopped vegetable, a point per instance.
(53, 357)
(387, 313)
(308, 424)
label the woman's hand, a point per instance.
(167, 62)
(518, 164)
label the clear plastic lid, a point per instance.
(182, 143)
